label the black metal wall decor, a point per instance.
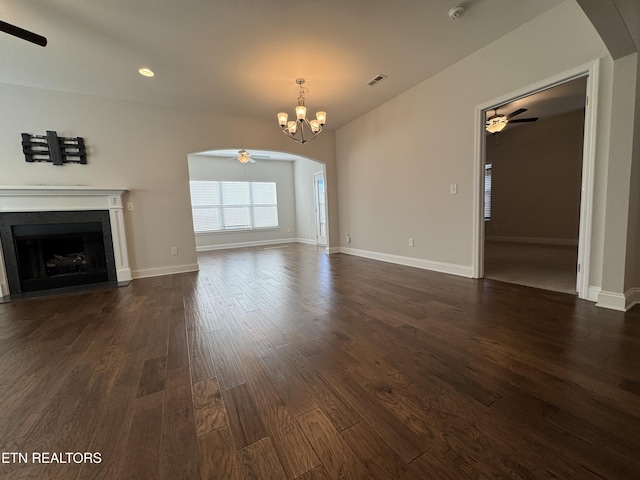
(54, 149)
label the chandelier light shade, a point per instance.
(302, 130)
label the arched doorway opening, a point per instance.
(251, 197)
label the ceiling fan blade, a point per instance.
(517, 112)
(23, 34)
(524, 120)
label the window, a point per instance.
(487, 192)
(219, 206)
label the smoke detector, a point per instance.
(456, 12)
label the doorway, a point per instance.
(532, 189)
(531, 200)
(320, 200)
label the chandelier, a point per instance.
(302, 130)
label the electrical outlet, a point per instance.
(411, 242)
(130, 206)
(453, 188)
(174, 250)
(348, 238)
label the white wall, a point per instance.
(143, 148)
(396, 163)
(202, 167)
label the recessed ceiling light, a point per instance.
(146, 72)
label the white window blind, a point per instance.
(219, 206)
(487, 191)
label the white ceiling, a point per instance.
(242, 57)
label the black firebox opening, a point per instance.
(60, 255)
(57, 250)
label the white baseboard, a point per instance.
(123, 274)
(332, 250)
(535, 240)
(453, 269)
(618, 301)
(307, 241)
(592, 293)
(259, 243)
(612, 300)
(157, 272)
(262, 243)
(633, 297)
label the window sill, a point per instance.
(239, 230)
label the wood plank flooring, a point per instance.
(286, 363)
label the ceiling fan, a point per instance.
(244, 156)
(496, 122)
(23, 34)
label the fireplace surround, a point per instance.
(80, 230)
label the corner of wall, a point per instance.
(612, 301)
(632, 297)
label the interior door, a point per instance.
(320, 207)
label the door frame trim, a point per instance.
(590, 70)
(316, 207)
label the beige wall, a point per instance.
(397, 162)
(143, 148)
(536, 180)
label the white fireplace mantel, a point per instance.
(42, 198)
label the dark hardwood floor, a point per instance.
(287, 363)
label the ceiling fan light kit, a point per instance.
(146, 72)
(245, 157)
(496, 123)
(302, 130)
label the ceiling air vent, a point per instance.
(377, 79)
